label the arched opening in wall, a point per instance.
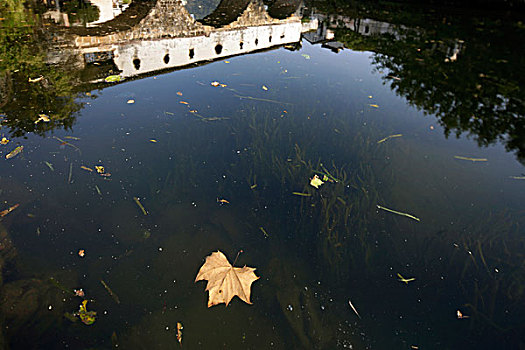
(218, 49)
(192, 53)
(270, 39)
(136, 63)
(166, 58)
(241, 44)
(256, 42)
(367, 29)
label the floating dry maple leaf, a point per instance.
(224, 280)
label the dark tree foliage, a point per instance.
(28, 86)
(466, 72)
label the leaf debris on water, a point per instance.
(49, 165)
(70, 173)
(405, 280)
(137, 200)
(179, 332)
(471, 159)
(14, 152)
(316, 181)
(302, 194)
(42, 118)
(8, 210)
(398, 212)
(65, 143)
(87, 317)
(110, 292)
(460, 315)
(264, 232)
(35, 80)
(389, 137)
(353, 308)
(113, 78)
(224, 280)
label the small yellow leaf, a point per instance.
(153, 140)
(264, 88)
(184, 102)
(179, 93)
(42, 118)
(131, 101)
(375, 106)
(226, 61)
(179, 332)
(4, 141)
(100, 169)
(215, 83)
(316, 181)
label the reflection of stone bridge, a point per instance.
(150, 37)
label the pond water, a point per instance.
(413, 120)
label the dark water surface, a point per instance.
(417, 127)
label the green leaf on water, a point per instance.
(113, 78)
(87, 317)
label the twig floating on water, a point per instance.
(389, 137)
(302, 194)
(405, 280)
(517, 177)
(266, 235)
(111, 293)
(68, 144)
(49, 165)
(398, 213)
(70, 173)
(261, 99)
(471, 159)
(140, 205)
(353, 308)
(7, 211)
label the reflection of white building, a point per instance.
(173, 39)
(108, 9)
(146, 56)
(363, 26)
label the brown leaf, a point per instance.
(224, 280)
